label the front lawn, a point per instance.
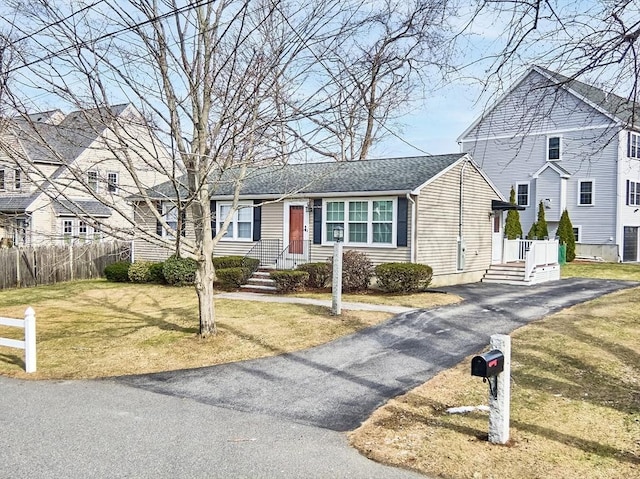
(89, 329)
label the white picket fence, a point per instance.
(29, 343)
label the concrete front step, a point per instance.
(256, 288)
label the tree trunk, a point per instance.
(204, 287)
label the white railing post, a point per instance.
(30, 340)
(530, 262)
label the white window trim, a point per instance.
(528, 192)
(369, 243)
(579, 228)
(559, 147)
(116, 184)
(593, 191)
(233, 225)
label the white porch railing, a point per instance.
(533, 252)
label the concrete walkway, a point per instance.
(272, 298)
(278, 417)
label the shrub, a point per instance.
(156, 274)
(512, 226)
(542, 231)
(533, 232)
(319, 274)
(288, 281)
(224, 262)
(139, 272)
(565, 235)
(118, 272)
(403, 277)
(357, 271)
(179, 271)
(233, 277)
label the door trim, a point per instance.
(286, 218)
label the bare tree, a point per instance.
(221, 89)
(595, 41)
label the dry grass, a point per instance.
(94, 329)
(430, 299)
(623, 271)
(575, 405)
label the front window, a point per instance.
(67, 230)
(369, 222)
(1, 179)
(522, 194)
(241, 224)
(585, 193)
(17, 179)
(20, 234)
(553, 148)
(170, 216)
(92, 180)
(112, 182)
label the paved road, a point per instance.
(269, 418)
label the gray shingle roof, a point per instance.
(68, 138)
(15, 204)
(627, 111)
(80, 208)
(399, 175)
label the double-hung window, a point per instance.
(522, 194)
(553, 148)
(633, 145)
(586, 193)
(365, 221)
(67, 230)
(17, 179)
(2, 180)
(92, 180)
(633, 193)
(241, 224)
(112, 182)
(170, 216)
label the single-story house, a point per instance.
(436, 210)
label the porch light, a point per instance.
(338, 234)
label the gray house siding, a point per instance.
(510, 144)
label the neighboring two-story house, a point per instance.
(571, 146)
(65, 178)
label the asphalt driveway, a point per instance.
(338, 385)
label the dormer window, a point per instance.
(553, 148)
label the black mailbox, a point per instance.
(488, 364)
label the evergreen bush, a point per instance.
(156, 274)
(118, 272)
(233, 277)
(319, 274)
(403, 277)
(542, 231)
(512, 226)
(288, 281)
(179, 271)
(140, 272)
(565, 235)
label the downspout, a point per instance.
(414, 230)
(460, 260)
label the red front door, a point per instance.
(296, 229)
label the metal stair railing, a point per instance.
(296, 252)
(266, 251)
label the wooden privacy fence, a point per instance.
(29, 343)
(35, 265)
